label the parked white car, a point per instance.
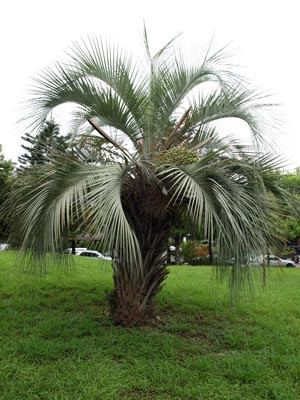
(281, 262)
(273, 261)
(93, 254)
(77, 250)
(4, 246)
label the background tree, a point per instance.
(291, 181)
(39, 147)
(288, 220)
(171, 161)
(6, 185)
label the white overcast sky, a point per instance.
(264, 34)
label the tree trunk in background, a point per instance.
(210, 251)
(265, 269)
(177, 250)
(73, 245)
(168, 255)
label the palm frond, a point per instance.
(224, 198)
(54, 197)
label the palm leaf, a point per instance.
(68, 191)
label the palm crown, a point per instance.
(171, 162)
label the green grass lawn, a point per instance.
(57, 340)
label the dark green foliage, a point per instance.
(188, 251)
(290, 224)
(287, 252)
(288, 220)
(6, 185)
(40, 147)
(291, 181)
(195, 253)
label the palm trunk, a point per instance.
(135, 288)
(132, 301)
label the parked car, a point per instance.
(273, 261)
(93, 254)
(281, 262)
(107, 256)
(4, 246)
(77, 250)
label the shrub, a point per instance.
(195, 253)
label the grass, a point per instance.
(58, 343)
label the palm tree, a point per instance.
(172, 163)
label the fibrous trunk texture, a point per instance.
(135, 287)
(132, 301)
